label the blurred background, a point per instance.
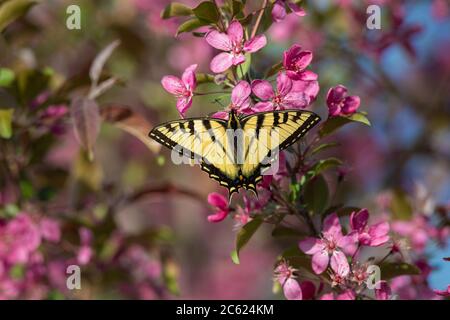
(400, 72)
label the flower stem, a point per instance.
(258, 20)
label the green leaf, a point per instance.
(191, 25)
(334, 123)
(17, 271)
(323, 165)
(204, 78)
(246, 20)
(7, 76)
(244, 235)
(346, 211)
(296, 258)
(281, 231)
(274, 69)
(360, 117)
(323, 147)
(6, 116)
(391, 270)
(13, 9)
(316, 194)
(207, 11)
(236, 7)
(243, 68)
(175, 9)
(400, 205)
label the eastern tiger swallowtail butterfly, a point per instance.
(235, 152)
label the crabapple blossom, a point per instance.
(182, 89)
(283, 98)
(339, 103)
(279, 10)
(329, 248)
(232, 42)
(373, 236)
(240, 100)
(221, 203)
(295, 62)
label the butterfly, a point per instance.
(238, 151)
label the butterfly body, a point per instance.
(235, 152)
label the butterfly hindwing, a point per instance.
(273, 131)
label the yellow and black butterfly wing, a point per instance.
(204, 140)
(266, 134)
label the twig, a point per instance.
(258, 20)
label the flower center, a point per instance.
(277, 99)
(237, 48)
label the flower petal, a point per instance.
(240, 93)
(303, 59)
(217, 200)
(336, 94)
(183, 104)
(307, 75)
(332, 227)
(262, 89)
(278, 11)
(188, 77)
(320, 261)
(219, 40)
(296, 9)
(256, 43)
(290, 55)
(284, 84)
(296, 100)
(351, 104)
(292, 289)
(384, 290)
(339, 263)
(263, 106)
(173, 85)
(218, 216)
(346, 295)
(221, 62)
(347, 242)
(235, 32)
(311, 245)
(308, 290)
(238, 59)
(358, 220)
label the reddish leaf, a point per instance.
(86, 120)
(131, 122)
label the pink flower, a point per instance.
(292, 289)
(309, 88)
(85, 252)
(221, 204)
(283, 98)
(418, 231)
(240, 101)
(444, 293)
(279, 10)
(295, 62)
(383, 291)
(50, 230)
(331, 244)
(372, 236)
(339, 103)
(182, 89)
(233, 43)
(19, 238)
(346, 295)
